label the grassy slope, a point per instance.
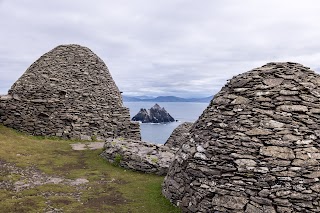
(110, 188)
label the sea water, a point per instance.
(159, 133)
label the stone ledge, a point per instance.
(138, 155)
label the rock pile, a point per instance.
(68, 92)
(177, 137)
(138, 155)
(154, 115)
(255, 148)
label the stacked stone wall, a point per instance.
(256, 148)
(69, 93)
(138, 155)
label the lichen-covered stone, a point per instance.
(230, 202)
(67, 92)
(255, 148)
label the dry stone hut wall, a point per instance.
(67, 92)
(177, 136)
(138, 155)
(256, 148)
(143, 156)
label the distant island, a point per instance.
(165, 99)
(156, 114)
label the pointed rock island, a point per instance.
(156, 114)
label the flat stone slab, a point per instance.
(87, 146)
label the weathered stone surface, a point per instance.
(272, 82)
(277, 152)
(138, 155)
(316, 187)
(68, 92)
(272, 124)
(155, 114)
(240, 100)
(245, 162)
(177, 136)
(6, 97)
(255, 148)
(256, 132)
(293, 108)
(230, 202)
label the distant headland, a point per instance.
(165, 99)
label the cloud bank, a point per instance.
(177, 47)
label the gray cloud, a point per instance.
(177, 47)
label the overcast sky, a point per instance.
(185, 48)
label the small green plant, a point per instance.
(117, 160)
(94, 138)
(154, 160)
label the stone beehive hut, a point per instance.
(256, 148)
(67, 92)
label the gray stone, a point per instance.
(272, 82)
(289, 92)
(5, 97)
(272, 124)
(282, 209)
(257, 132)
(277, 152)
(293, 108)
(231, 202)
(245, 162)
(240, 100)
(316, 187)
(315, 174)
(315, 110)
(85, 137)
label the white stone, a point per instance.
(200, 149)
(245, 162)
(304, 142)
(200, 156)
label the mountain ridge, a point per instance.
(166, 99)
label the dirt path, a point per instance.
(87, 146)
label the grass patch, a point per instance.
(23, 204)
(110, 188)
(65, 203)
(117, 160)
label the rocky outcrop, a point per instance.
(138, 155)
(178, 135)
(255, 148)
(67, 92)
(154, 115)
